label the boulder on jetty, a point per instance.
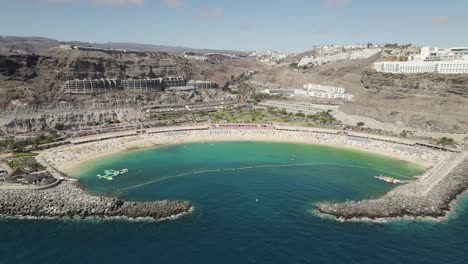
(69, 199)
(435, 204)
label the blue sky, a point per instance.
(289, 25)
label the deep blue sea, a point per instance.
(253, 204)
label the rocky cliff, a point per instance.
(428, 84)
(35, 79)
(424, 102)
(23, 118)
(427, 102)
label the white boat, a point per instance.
(388, 179)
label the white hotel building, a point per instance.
(314, 91)
(431, 60)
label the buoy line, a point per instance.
(248, 168)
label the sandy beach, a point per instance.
(66, 158)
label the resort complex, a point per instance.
(312, 91)
(430, 60)
(94, 86)
(335, 54)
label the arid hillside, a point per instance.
(426, 102)
(38, 78)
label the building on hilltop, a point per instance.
(430, 60)
(329, 57)
(313, 91)
(194, 57)
(437, 54)
(328, 89)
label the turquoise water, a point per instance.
(253, 204)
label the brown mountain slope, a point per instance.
(427, 102)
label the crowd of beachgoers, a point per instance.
(69, 156)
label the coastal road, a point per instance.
(439, 173)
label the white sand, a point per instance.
(66, 158)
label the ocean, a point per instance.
(253, 204)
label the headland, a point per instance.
(70, 200)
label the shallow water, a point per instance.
(253, 204)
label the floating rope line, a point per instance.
(249, 168)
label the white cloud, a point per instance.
(440, 20)
(211, 12)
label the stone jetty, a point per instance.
(423, 198)
(69, 199)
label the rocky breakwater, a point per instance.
(69, 199)
(405, 201)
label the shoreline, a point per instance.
(71, 167)
(411, 199)
(142, 142)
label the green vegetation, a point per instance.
(272, 115)
(445, 141)
(324, 117)
(405, 133)
(296, 66)
(24, 154)
(59, 126)
(397, 46)
(243, 77)
(360, 124)
(21, 145)
(258, 97)
(250, 116)
(111, 121)
(93, 124)
(27, 164)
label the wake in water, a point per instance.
(247, 168)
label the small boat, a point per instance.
(388, 179)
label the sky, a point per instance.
(285, 25)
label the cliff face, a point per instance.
(417, 84)
(42, 121)
(36, 79)
(31, 97)
(40, 117)
(427, 102)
